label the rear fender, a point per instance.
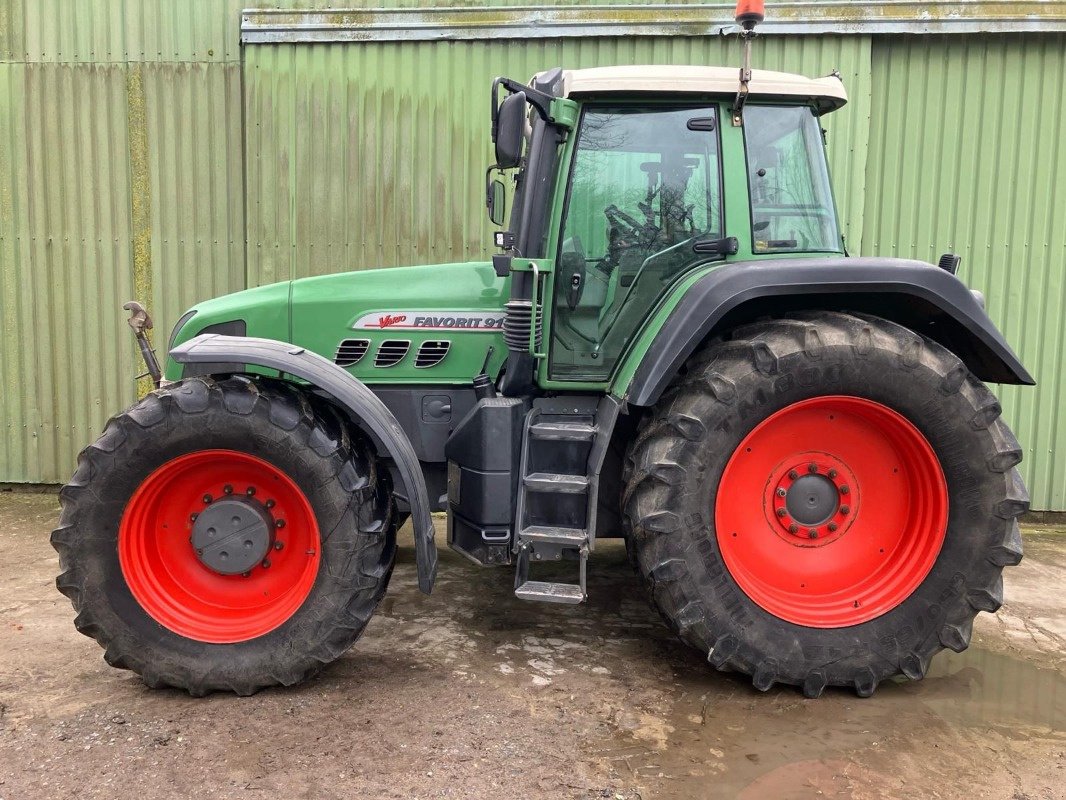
(920, 296)
(362, 405)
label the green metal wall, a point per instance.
(120, 176)
(374, 154)
(967, 152)
(144, 153)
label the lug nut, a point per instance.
(227, 489)
(832, 473)
(207, 499)
(269, 503)
(782, 513)
(781, 492)
(812, 533)
(266, 563)
(832, 526)
(192, 517)
(251, 491)
(278, 545)
(844, 489)
(793, 528)
(793, 474)
(844, 509)
(246, 574)
(280, 523)
(812, 468)
(199, 550)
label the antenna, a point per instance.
(749, 13)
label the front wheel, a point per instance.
(826, 500)
(225, 535)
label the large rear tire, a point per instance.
(825, 500)
(225, 535)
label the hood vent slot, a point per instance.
(432, 353)
(351, 351)
(391, 352)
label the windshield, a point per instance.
(791, 201)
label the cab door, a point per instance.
(644, 197)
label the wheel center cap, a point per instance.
(812, 500)
(231, 536)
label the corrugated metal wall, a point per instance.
(129, 167)
(967, 154)
(120, 176)
(356, 159)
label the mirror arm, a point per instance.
(541, 101)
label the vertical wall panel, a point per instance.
(372, 154)
(967, 154)
(119, 179)
(193, 126)
(67, 237)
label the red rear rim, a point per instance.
(831, 511)
(172, 565)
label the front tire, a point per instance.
(225, 535)
(826, 500)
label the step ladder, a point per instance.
(563, 447)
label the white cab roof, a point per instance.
(828, 93)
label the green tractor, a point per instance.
(672, 346)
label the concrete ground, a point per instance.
(471, 693)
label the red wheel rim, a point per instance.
(167, 576)
(885, 494)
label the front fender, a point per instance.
(920, 296)
(361, 404)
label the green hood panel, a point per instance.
(265, 310)
(460, 304)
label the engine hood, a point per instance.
(426, 324)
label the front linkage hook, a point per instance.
(141, 323)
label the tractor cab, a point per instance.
(626, 181)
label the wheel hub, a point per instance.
(232, 535)
(812, 499)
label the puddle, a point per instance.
(722, 739)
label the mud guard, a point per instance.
(911, 293)
(361, 403)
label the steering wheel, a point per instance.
(617, 218)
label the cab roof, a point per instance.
(827, 94)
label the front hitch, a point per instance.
(141, 322)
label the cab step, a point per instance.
(563, 431)
(556, 482)
(544, 592)
(550, 592)
(550, 534)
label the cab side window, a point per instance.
(644, 185)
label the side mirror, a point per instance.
(510, 130)
(496, 201)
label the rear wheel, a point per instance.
(824, 501)
(225, 535)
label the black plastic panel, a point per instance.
(924, 298)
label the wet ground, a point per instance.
(471, 693)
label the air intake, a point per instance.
(351, 351)
(391, 352)
(431, 353)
